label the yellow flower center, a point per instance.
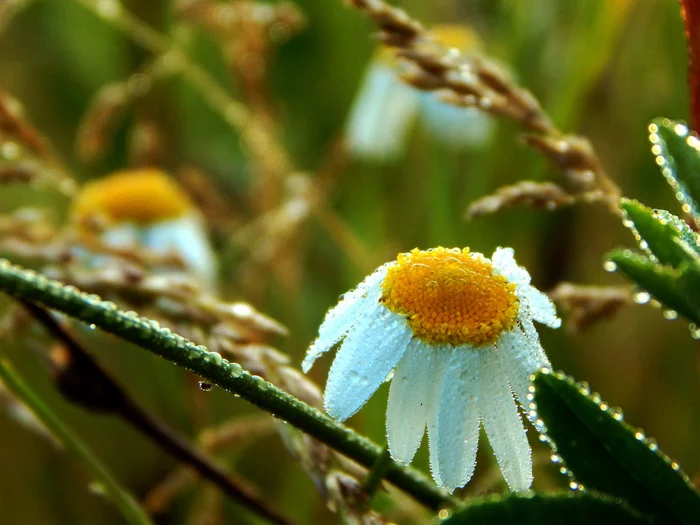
(142, 196)
(450, 296)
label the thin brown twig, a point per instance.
(85, 383)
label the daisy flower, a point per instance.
(385, 108)
(456, 329)
(146, 207)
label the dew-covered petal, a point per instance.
(520, 360)
(453, 427)
(504, 263)
(345, 314)
(371, 350)
(541, 306)
(410, 398)
(503, 423)
(533, 341)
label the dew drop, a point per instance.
(573, 485)
(555, 458)
(675, 466)
(616, 413)
(670, 314)
(653, 445)
(204, 386)
(681, 130)
(97, 488)
(609, 266)
(639, 435)
(444, 514)
(583, 387)
(642, 297)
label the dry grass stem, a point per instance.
(533, 194)
(112, 101)
(246, 32)
(588, 305)
(474, 81)
(25, 156)
(230, 436)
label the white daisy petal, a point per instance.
(371, 350)
(409, 400)
(458, 127)
(453, 428)
(541, 306)
(381, 116)
(186, 236)
(504, 263)
(503, 424)
(344, 315)
(533, 340)
(519, 360)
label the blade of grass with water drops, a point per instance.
(676, 288)
(607, 455)
(562, 508)
(677, 153)
(662, 234)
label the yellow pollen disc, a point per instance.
(142, 196)
(450, 296)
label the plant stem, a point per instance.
(132, 512)
(210, 366)
(255, 133)
(375, 475)
(84, 382)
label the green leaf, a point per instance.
(609, 456)
(663, 235)
(678, 155)
(676, 288)
(565, 508)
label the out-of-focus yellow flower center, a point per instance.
(142, 196)
(450, 296)
(455, 36)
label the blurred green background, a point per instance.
(600, 68)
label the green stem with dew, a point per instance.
(211, 367)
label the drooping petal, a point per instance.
(504, 263)
(453, 427)
(410, 398)
(502, 422)
(381, 116)
(371, 350)
(186, 237)
(455, 126)
(520, 360)
(541, 307)
(344, 315)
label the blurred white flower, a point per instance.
(457, 331)
(385, 108)
(147, 208)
